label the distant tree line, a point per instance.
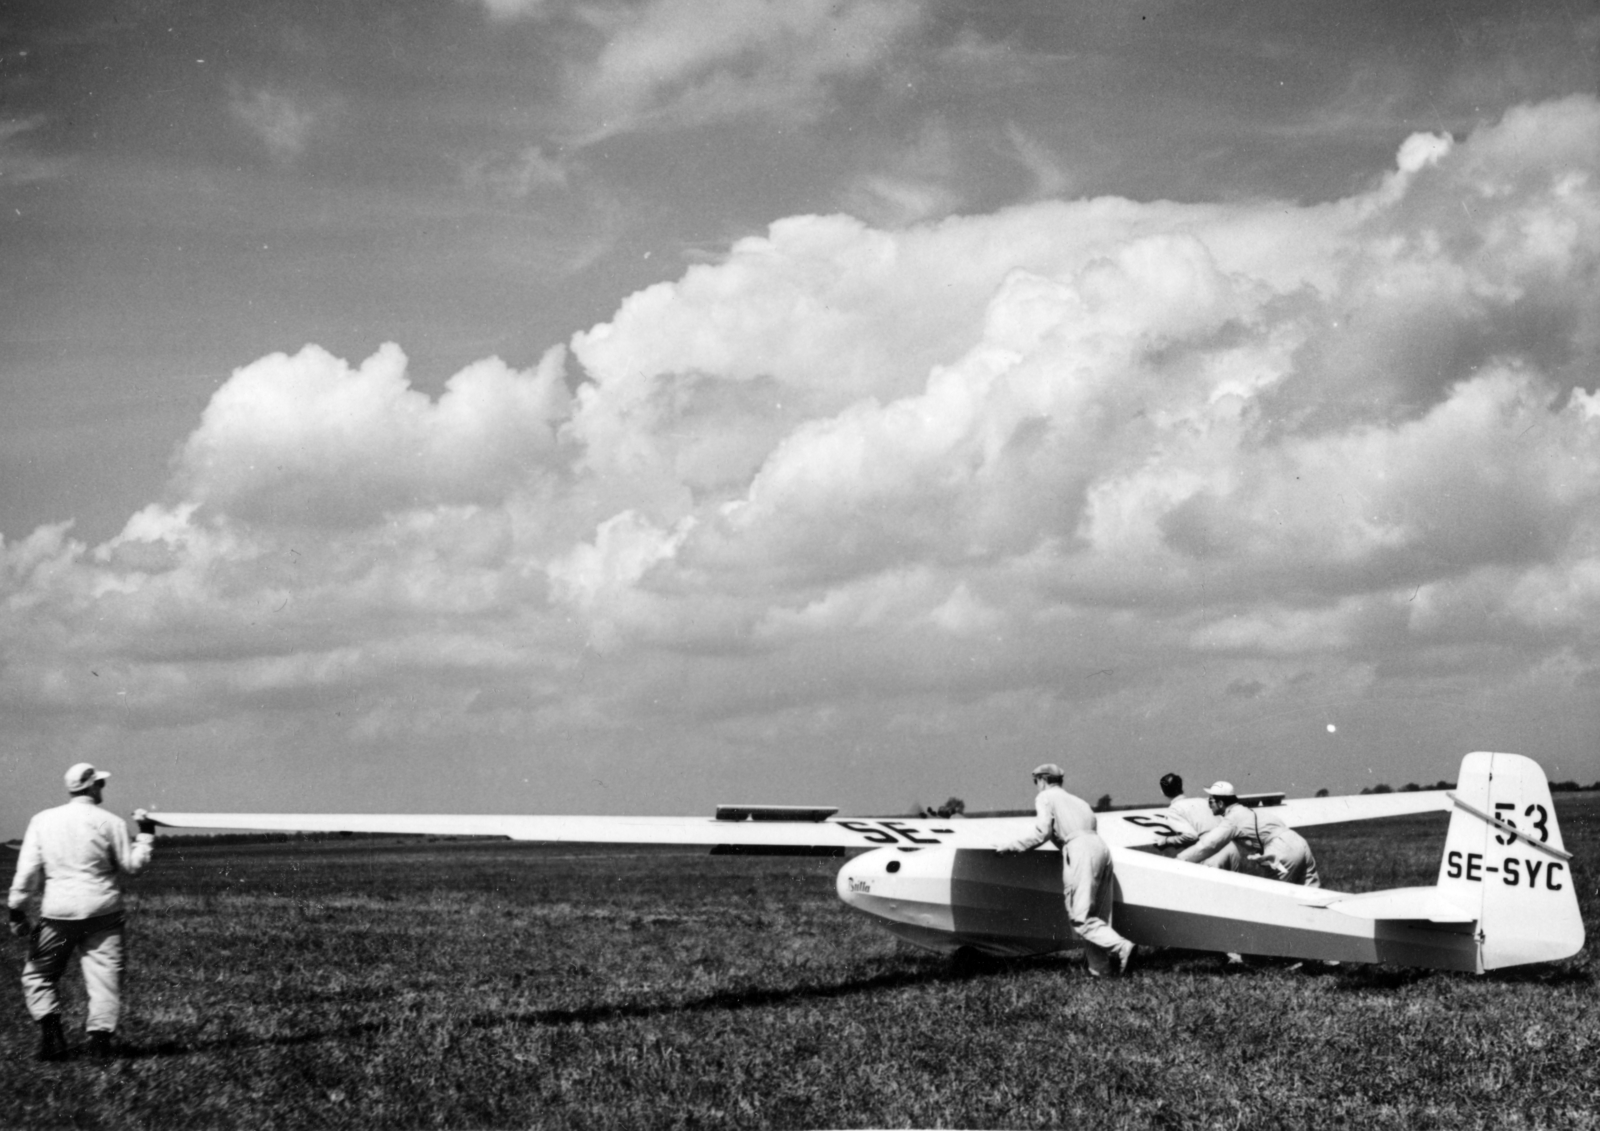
(1409, 787)
(1413, 787)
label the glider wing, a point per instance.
(1135, 828)
(738, 827)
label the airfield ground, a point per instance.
(451, 984)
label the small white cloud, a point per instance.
(279, 121)
(686, 62)
(964, 614)
(509, 11)
(913, 185)
(20, 162)
(895, 202)
(1421, 150)
(517, 176)
(1050, 176)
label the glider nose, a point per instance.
(859, 878)
(911, 887)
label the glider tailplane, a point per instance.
(1505, 863)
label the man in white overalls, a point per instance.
(1269, 840)
(77, 854)
(1069, 822)
(1194, 819)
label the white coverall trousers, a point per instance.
(1289, 856)
(1228, 857)
(98, 942)
(1086, 881)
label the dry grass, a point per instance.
(363, 984)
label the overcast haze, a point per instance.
(583, 407)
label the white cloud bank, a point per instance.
(1105, 470)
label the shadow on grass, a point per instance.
(242, 1042)
(1571, 974)
(961, 969)
(964, 966)
(1358, 978)
(1177, 962)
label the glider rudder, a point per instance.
(1504, 862)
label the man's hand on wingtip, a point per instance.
(142, 819)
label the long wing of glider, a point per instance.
(1304, 812)
(781, 827)
(741, 826)
(1133, 828)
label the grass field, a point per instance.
(368, 984)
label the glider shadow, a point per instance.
(962, 969)
(132, 1051)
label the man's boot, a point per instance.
(100, 1045)
(52, 1041)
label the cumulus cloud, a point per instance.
(1315, 412)
(308, 439)
(1091, 460)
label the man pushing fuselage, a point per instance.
(1068, 822)
(1266, 836)
(1192, 818)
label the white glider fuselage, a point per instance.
(952, 899)
(1505, 895)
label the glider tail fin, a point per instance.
(1505, 863)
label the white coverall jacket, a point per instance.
(1068, 821)
(1196, 814)
(77, 853)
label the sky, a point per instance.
(587, 406)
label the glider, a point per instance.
(1505, 895)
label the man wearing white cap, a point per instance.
(1194, 818)
(1069, 822)
(77, 853)
(1269, 840)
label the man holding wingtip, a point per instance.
(77, 854)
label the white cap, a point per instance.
(1049, 770)
(82, 776)
(1222, 789)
